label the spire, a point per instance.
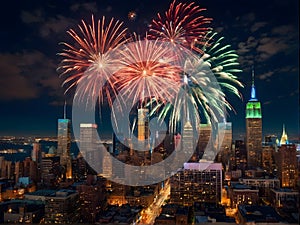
(284, 137)
(253, 94)
(65, 109)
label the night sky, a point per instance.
(264, 33)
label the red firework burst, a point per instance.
(89, 61)
(182, 24)
(148, 70)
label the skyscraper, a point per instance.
(143, 132)
(89, 146)
(143, 120)
(204, 140)
(224, 142)
(36, 153)
(187, 141)
(64, 144)
(240, 156)
(253, 129)
(267, 158)
(286, 161)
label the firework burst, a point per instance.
(223, 61)
(89, 61)
(203, 84)
(148, 71)
(182, 24)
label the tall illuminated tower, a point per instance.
(187, 141)
(143, 131)
(143, 120)
(253, 129)
(64, 144)
(89, 146)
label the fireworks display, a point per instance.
(132, 15)
(90, 60)
(204, 84)
(148, 71)
(223, 62)
(181, 24)
(156, 71)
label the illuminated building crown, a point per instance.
(284, 137)
(253, 107)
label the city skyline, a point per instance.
(32, 97)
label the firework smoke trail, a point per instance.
(148, 71)
(183, 24)
(89, 59)
(215, 68)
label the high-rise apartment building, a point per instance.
(240, 156)
(62, 207)
(267, 158)
(197, 182)
(92, 199)
(30, 169)
(286, 161)
(50, 171)
(253, 129)
(36, 153)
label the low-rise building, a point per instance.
(258, 215)
(62, 207)
(243, 194)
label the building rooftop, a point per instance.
(203, 165)
(259, 214)
(42, 193)
(240, 186)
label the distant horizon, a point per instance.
(108, 135)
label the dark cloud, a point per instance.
(28, 75)
(49, 27)
(13, 84)
(55, 25)
(258, 25)
(247, 18)
(266, 75)
(270, 46)
(34, 16)
(88, 6)
(247, 46)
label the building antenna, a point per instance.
(253, 92)
(252, 75)
(65, 109)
